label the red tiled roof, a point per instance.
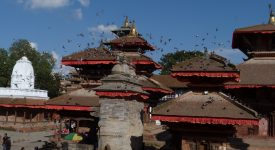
(198, 106)
(80, 97)
(210, 65)
(251, 30)
(131, 41)
(169, 81)
(90, 56)
(255, 73)
(141, 59)
(151, 85)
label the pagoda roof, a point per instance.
(79, 97)
(79, 100)
(94, 56)
(123, 82)
(90, 56)
(262, 29)
(121, 78)
(201, 108)
(256, 72)
(169, 81)
(140, 59)
(209, 65)
(131, 41)
(151, 85)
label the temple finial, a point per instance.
(126, 22)
(133, 31)
(271, 16)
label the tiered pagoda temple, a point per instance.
(257, 73)
(204, 117)
(93, 64)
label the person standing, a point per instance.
(8, 143)
(4, 141)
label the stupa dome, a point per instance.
(120, 68)
(22, 75)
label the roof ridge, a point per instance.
(160, 84)
(236, 103)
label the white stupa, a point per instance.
(22, 75)
(22, 82)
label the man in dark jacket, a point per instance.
(5, 138)
(8, 143)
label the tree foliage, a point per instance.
(170, 59)
(42, 62)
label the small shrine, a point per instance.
(121, 105)
(22, 83)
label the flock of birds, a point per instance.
(162, 44)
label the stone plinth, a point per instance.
(24, 93)
(120, 124)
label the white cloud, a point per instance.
(55, 55)
(34, 45)
(57, 61)
(103, 28)
(45, 4)
(84, 3)
(77, 14)
(59, 68)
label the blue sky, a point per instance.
(65, 26)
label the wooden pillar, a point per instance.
(30, 116)
(7, 115)
(15, 116)
(77, 126)
(24, 116)
(43, 116)
(38, 117)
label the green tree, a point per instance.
(5, 68)
(170, 59)
(43, 64)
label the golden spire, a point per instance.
(133, 31)
(272, 18)
(126, 22)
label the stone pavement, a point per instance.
(28, 140)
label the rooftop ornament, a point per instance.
(272, 16)
(126, 22)
(133, 31)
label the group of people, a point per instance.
(6, 142)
